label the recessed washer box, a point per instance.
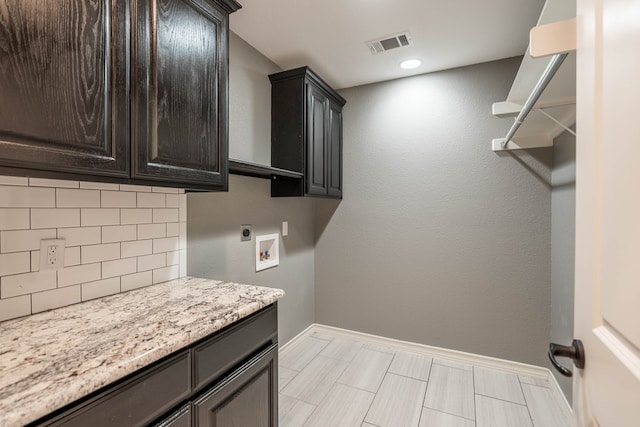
(267, 251)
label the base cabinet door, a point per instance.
(247, 397)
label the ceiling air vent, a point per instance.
(389, 42)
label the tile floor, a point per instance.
(329, 380)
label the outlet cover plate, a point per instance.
(245, 232)
(52, 254)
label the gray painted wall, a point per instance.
(438, 240)
(213, 234)
(563, 226)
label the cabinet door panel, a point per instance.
(249, 397)
(316, 130)
(334, 146)
(64, 86)
(180, 127)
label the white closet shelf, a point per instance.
(554, 34)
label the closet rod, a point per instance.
(549, 72)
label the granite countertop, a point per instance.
(51, 359)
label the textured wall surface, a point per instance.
(118, 238)
(215, 249)
(215, 218)
(250, 102)
(438, 240)
(563, 235)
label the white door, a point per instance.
(607, 311)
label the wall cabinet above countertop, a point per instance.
(306, 134)
(81, 349)
(116, 91)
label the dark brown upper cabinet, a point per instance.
(306, 134)
(113, 90)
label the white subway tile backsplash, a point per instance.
(119, 267)
(173, 229)
(97, 253)
(55, 298)
(79, 274)
(15, 263)
(118, 233)
(99, 186)
(24, 240)
(71, 256)
(27, 197)
(27, 283)
(14, 219)
(118, 199)
(77, 198)
(166, 245)
(136, 188)
(151, 231)
(183, 208)
(81, 236)
(14, 180)
(101, 288)
(173, 258)
(137, 280)
(167, 273)
(55, 218)
(165, 190)
(89, 217)
(173, 200)
(151, 200)
(41, 182)
(136, 216)
(11, 308)
(149, 262)
(166, 215)
(118, 238)
(137, 248)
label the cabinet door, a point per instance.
(248, 397)
(334, 146)
(316, 172)
(64, 86)
(180, 92)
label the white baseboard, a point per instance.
(455, 355)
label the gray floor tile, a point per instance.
(452, 364)
(545, 407)
(298, 356)
(293, 412)
(366, 370)
(498, 413)
(343, 406)
(315, 380)
(527, 379)
(285, 375)
(411, 365)
(398, 403)
(450, 390)
(432, 418)
(498, 384)
(342, 348)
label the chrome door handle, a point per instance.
(574, 351)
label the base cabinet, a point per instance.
(229, 379)
(247, 398)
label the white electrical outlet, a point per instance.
(52, 254)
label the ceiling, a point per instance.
(330, 35)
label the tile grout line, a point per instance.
(524, 396)
(502, 400)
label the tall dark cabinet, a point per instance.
(306, 134)
(130, 91)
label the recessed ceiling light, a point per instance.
(410, 64)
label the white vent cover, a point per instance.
(389, 42)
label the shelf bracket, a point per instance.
(558, 122)
(552, 39)
(522, 143)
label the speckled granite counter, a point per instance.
(51, 359)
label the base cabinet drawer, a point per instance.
(136, 402)
(181, 418)
(247, 397)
